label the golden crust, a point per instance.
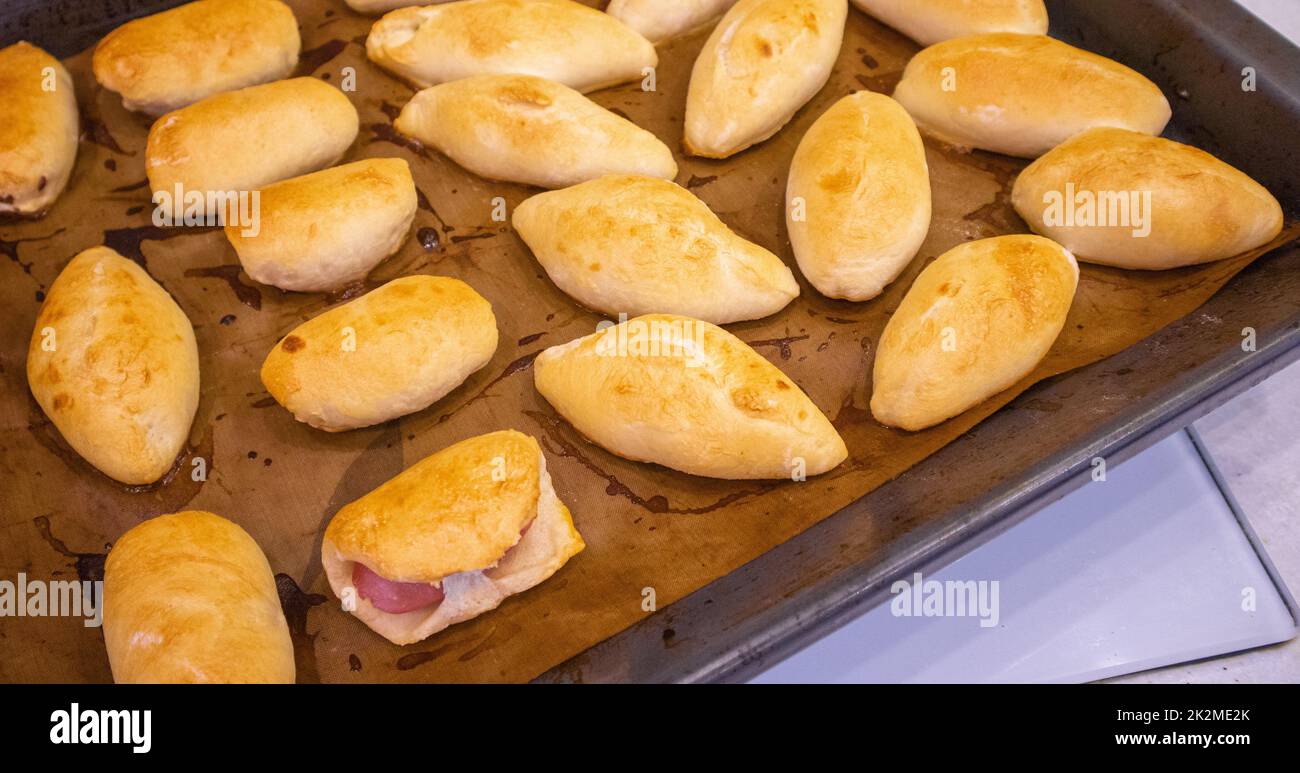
(1023, 95)
(976, 321)
(394, 351)
(458, 510)
(39, 130)
(763, 62)
(530, 130)
(247, 139)
(471, 516)
(113, 363)
(637, 245)
(189, 598)
(860, 180)
(172, 59)
(934, 21)
(688, 395)
(555, 39)
(1200, 209)
(327, 229)
(659, 20)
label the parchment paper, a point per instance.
(646, 527)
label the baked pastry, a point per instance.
(763, 62)
(38, 134)
(1127, 199)
(524, 129)
(934, 21)
(449, 538)
(244, 140)
(113, 363)
(1023, 95)
(395, 350)
(559, 40)
(659, 20)
(327, 229)
(637, 245)
(189, 598)
(688, 395)
(175, 58)
(976, 321)
(858, 197)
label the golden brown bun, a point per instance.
(659, 20)
(247, 139)
(1024, 94)
(122, 380)
(328, 229)
(555, 39)
(1191, 207)
(393, 351)
(39, 129)
(530, 130)
(858, 198)
(934, 21)
(189, 598)
(763, 62)
(175, 58)
(638, 245)
(688, 395)
(454, 517)
(977, 320)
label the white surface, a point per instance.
(1144, 569)
(1283, 15)
(1255, 442)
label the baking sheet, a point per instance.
(646, 527)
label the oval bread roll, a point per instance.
(1126, 199)
(763, 62)
(638, 245)
(977, 320)
(559, 40)
(523, 129)
(393, 351)
(114, 365)
(688, 395)
(934, 21)
(1023, 95)
(172, 59)
(479, 519)
(659, 20)
(246, 139)
(858, 197)
(328, 229)
(39, 130)
(189, 598)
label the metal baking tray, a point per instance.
(1037, 448)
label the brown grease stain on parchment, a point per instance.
(645, 526)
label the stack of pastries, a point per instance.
(502, 91)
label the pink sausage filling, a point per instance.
(398, 597)
(394, 597)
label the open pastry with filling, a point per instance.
(449, 538)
